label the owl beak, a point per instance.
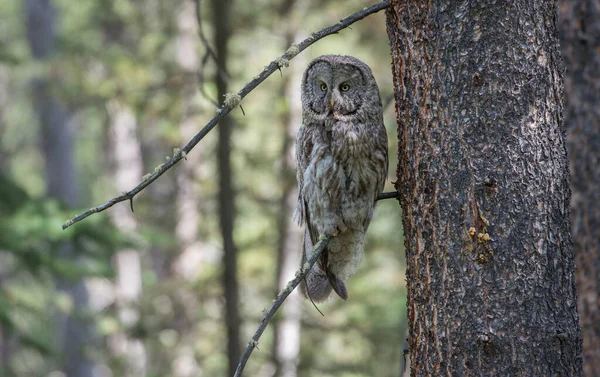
(331, 103)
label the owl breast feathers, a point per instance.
(341, 165)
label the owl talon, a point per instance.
(329, 229)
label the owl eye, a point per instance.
(344, 87)
(324, 87)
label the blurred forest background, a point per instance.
(93, 95)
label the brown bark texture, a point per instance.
(221, 9)
(580, 32)
(483, 183)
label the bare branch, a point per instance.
(203, 38)
(300, 275)
(210, 53)
(226, 109)
(388, 195)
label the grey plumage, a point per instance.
(341, 165)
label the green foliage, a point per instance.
(32, 257)
(30, 230)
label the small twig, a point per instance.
(405, 352)
(209, 51)
(301, 274)
(388, 195)
(201, 80)
(272, 67)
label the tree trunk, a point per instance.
(127, 160)
(3, 105)
(6, 347)
(188, 261)
(188, 193)
(287, 331)
(286, 344)
(483, 182)
(580, 30)
(57, 142)
(221, 9)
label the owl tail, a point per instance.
(338, 286)
(319, 281)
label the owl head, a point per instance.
(339, 87)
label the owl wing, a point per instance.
(304, 150)
(380, 155)
(382, 147)
(322, 278)
(304, 146)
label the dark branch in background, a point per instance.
(210, 53)
(300, 275)
(229, 105)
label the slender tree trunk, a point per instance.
(57, 142)
(6, 340)
(188, 194)
(286, 331)
(188, 262)
(127, 168)
(3, 100)
(483, 184)
(221, 9)
(127, 160)
(580, 30)
(286, 345)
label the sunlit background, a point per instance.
(94, 94)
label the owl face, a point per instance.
(337, 87)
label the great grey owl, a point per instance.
(341, 167)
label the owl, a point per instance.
(341, 165)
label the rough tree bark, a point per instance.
(580, 31)
(221, 9)
(57, 142)
(483, 184)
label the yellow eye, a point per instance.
(344, 87)
(324, 87)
